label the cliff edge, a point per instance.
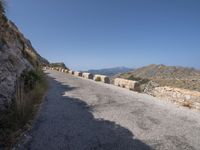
(16, 56)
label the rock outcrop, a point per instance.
(16, 56)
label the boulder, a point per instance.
(102, 78)
(87, 75)
(71, 72)
(129, 84)
(78, 74)
(66, 71)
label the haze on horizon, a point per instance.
(102, 34)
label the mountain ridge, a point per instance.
(110, 71)
(175, 76)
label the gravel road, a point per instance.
(80, 114)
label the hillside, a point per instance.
(22, 82)
(181, 77)
(17, 56)
(59, 65)
(110, 71)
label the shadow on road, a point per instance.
(90, 133)
(67, 123)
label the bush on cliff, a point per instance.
(30, 89)
(31, 78)
(2, 6)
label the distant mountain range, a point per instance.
(181, 77)
(110, 71)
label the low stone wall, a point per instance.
(129, 84)
(57, 69)
(71, 72)
(182, 97)
(78, 74)
(101, 78)
(87, 75)
(66, 71)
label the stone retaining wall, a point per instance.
(183, 97)
(55, 68)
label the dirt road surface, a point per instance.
(81, 114)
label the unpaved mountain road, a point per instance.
(80, 114)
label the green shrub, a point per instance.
(134, 78)
(2, 6)
(30, 89)
(144, 81)
(141, 80)
(30, 79)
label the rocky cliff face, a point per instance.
(16, 56)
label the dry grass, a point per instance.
(23, 111)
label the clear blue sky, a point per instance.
(88, 34)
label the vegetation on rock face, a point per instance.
(17, 55)
(140, 80)
(2, 5)
(11, 37)
(180, 77)
(30, 78)
(30, 89)
(23, 84)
